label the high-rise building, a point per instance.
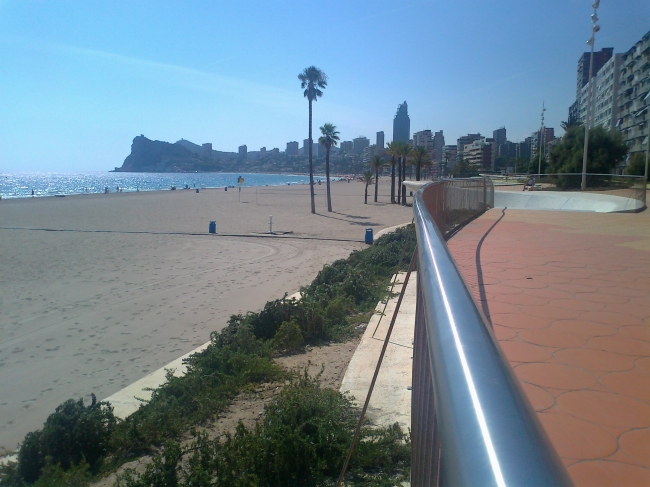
(370, 152)
(600, 58)
(449, 158)
(463, 141)
(359, 144)
(347, 146)
(424, 138)
(499, 136)
(479, 152)
(380, 143)
(634, 96)
(243, 151)
(292, 148)
(206, 150)
(438, 146)
(541, 138)
(605, 93)
(401, 124)
(523, 149)
(315, 148)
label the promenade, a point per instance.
(568, 296)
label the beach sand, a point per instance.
(125, 283)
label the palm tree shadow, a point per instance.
(351, 222)
(352, 216)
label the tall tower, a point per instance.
(402, 124)
(380, 142)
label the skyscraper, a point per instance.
(360, 143)
(600, 58)
(292, 148)
(438, 144)
(500, 139)
(380, 142)
(402, 124)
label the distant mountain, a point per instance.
(190, 146)
(183, 156)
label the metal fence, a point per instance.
(471, 422)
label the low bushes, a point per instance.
(302, 441)
(238, 357)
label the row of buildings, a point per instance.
(620, 95)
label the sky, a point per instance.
(80, 79)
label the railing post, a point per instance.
(484, 194)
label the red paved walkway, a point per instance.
(569, 298)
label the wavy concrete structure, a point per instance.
(565, 201)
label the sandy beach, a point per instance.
(97, 291)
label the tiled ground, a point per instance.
(568, 295)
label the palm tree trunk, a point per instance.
(327, 175)
(392, 181)
(376, 183)
(366, 200)
(403, 179)
(417, 171)
(399, 180)
(311, 166)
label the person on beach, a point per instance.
(32, 193)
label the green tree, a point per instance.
(419, 157)
(464, 170)
(636, 164)
(376, 163)
(392, 149)
(606, 150)
(328, 140)
(571, 122)
(367, 178)
(313, 81)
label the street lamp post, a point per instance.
(594, 28)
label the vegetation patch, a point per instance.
(79, 442)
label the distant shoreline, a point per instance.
(20, 185)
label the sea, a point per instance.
(21, 185)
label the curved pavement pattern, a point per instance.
(569, 298)
(565, 201)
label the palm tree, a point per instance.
(328, 140)
(419, 156)
(403, 152)
(367, 178)
(376, 163)
(391, 149)
(447, 155)
(312, 80)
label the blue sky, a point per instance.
(80, 79)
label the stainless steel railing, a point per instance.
(471, 422)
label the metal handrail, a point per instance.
(471, 422)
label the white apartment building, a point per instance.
(605, 93)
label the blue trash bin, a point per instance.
(213, 227)
(369, 236)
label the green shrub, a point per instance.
(289, 337)
(302, 440)
(73, 435)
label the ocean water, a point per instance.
(20, 185)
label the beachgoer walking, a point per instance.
(32, 193)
